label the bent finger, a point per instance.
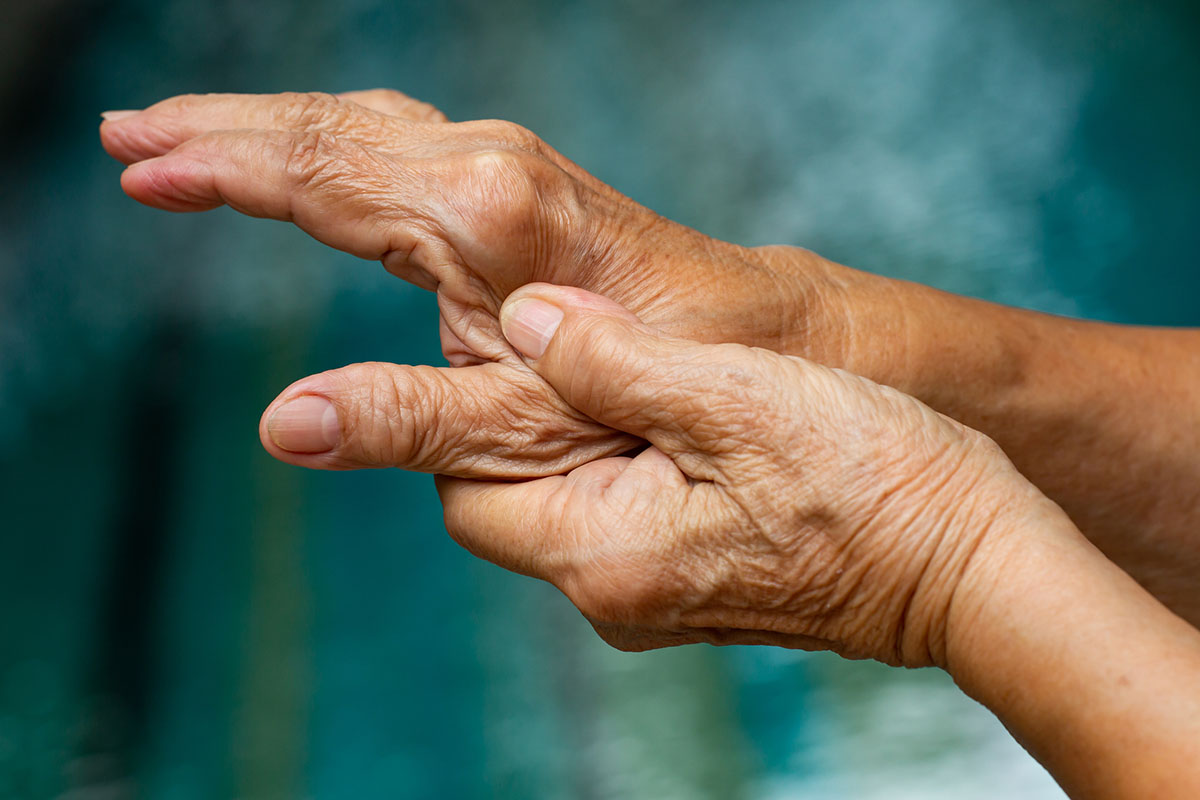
(486, 421)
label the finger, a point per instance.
(342, 194)
(171, 122)
(397, 104)
(602, 360)
(491, 420)
(554, 528)
(502, 522)
(510, 524)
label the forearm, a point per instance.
(1104, 419)
(1099, 681)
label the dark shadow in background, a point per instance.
(38, 44)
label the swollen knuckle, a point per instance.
(498, 166)
(512, 135)
(507, 182)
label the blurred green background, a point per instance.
(182, 617)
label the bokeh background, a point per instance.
(182, 617)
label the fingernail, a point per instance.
(529, 325)
(308, 424)
(113, 116)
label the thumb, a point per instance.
(606, 363)
(455, 421)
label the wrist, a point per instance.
(956, 354)
(1099, 681)
(1028, 544)
(847, 318)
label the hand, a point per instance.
(472, 211)
(778, 502)
(1099, 417)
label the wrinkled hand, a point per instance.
(470, 210)
(778, 502)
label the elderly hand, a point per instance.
(1097, 416)
(472, 211)
(779, 501)
(782, 502)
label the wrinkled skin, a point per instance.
(779, 501)
(469, 210)
(1097, 416)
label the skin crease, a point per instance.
(782, 502)
(1090, 413)
(779, 501)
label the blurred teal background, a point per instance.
(182, 617)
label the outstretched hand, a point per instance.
(469, 210)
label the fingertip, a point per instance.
(135, 136)
(307, 424)
(531, 315)
(115, 140)
(303, 425)
(170, 184)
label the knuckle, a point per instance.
(409, 433)
(303, 110)
(495, 166)
(511, 135)
(508, 182)
(385, 424)
(182, 105)
(310, 155)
